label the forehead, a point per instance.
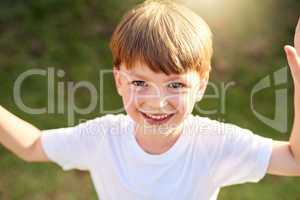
(142, 71)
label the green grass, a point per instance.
(74, 36)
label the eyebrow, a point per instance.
(146, 78)
(139, 76)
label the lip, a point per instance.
(157, 120)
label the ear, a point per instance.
(202, 88)
(118, 81)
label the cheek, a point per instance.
(131, 98)
(127, 96)
(182, 102)
(185, 102)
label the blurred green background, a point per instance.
(73, 35)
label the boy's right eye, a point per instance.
(139, 83)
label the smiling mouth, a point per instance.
(157, 118)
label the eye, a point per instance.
(139, 83)
(176, 85)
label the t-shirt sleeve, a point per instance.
(239, 156)
(71, 147)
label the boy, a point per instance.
(161, 53)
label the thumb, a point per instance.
(292, 56)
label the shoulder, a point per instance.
(107, 123)
(207, 125)
(214, 130)
(222, 134)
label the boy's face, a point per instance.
(156, 100)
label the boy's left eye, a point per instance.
(139, 83)
(176, 85)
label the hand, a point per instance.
(293, 56)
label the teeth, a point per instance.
(158, 117)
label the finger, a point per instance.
(297, 38)
(292, 57)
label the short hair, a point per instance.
(164, 35)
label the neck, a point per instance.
(155, 141)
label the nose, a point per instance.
(157, 101)
(154, 100)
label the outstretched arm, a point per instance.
(285, 159)
(293, 55)
(20, 137)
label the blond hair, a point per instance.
(166, 36)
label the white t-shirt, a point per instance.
(207, 155)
